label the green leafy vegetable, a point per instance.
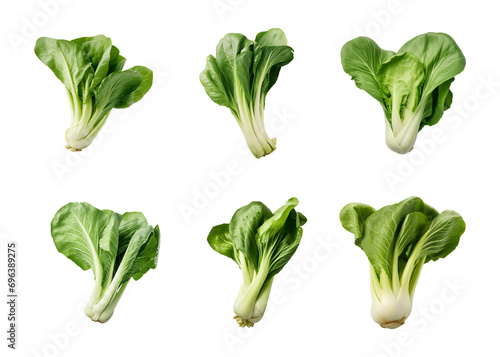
(412, 85)
(398, 240)
(241, 75)
(116, 247)
(261, 243)
(91, 70)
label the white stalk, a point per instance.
(388, 309)
(107, 313)
(404, 140)
(261, 302)
(81, 135)
(250, 120)
(96, 294)
(245, 304)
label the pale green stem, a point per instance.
(245, 304)
(107, 313)
(96, 294)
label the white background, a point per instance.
(157, 157)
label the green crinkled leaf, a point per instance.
(400, 80)
(66, 60)
(442, 236)
(270, 54)
(244, 226)
(381, 228)
(264, 238)
(285, 245)
(440, 55)
(130, 223)
(270, 229)
(98, 51)
(220, 240)
(116, 61)
(146, 82)
(116, 91)
(129, 265)
(353, 217)
(267, 66)
(279, 236)
(234, 59)
(302, 219)
(414, 225)
(441, 101)
(213, 81)
(398, 233)
(272, 37)
(87, 236)
(361, 59)
(147, 257)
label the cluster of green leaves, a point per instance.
(241, 76)
(398, 240)
(412, 85)
(91, 70)
(116, 247)
(261, 243)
